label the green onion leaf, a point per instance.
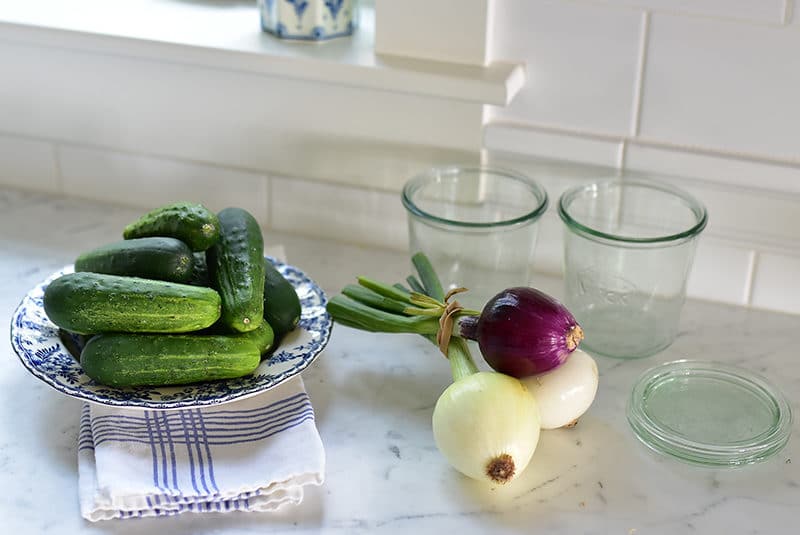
(350, 312)
(401, 288)
(415, 284)
(373, 299)
(430, 280)
(384, 289)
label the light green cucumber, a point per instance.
(122, 360)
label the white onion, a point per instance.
(487, 426)
(565, 393)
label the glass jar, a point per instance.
(477, 226)
(628, 249)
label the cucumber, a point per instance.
(166, 259)
(199, 276)
(120, 359)
(262, 336)
(281, 304)
(193, 224)
(88, 303)
(236, 269)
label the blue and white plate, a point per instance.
(37, 343)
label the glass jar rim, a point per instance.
(419, 180)
(697, 208)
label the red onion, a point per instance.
(522, 332)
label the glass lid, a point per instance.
(709, 413)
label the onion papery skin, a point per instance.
(487, 426)
(523, 331)
(565, 393)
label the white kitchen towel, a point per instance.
(255, 454)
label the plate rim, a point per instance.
(89, 397)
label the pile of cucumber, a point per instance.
(186, 297)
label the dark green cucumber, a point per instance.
(199, 276)
(120, 360)
(281, 304)
(236, 269)
(93, 303)
(193, 224)
(166, 259)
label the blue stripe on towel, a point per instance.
(228, 438)
(152, 449)
(174, 416)
(189, 452)
(208, 451)
(163, 450)
(173, 463)
(220, 431)
(194, 435)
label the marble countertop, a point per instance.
(374, 395)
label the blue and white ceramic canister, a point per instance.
(311, 20)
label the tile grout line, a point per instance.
(648, 142)
(641, 66)
(622, 156)
(751, 275)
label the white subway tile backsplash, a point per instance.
(776, 284)
(720, 272)
(147, 181)
(722, 85)
(546, 143)
(752, 218)
(268, 124)
(28, 164)
(581, 60)
(713, 167)
(344, 213)
(769, 11)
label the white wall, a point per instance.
(707, 91)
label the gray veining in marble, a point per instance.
(374, 395)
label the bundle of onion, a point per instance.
(486, 423)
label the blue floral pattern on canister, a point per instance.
(334, 6)
(313, 20)
(299, 8)
(42, 350)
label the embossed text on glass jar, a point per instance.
(628, 249)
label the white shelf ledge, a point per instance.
(227, 35)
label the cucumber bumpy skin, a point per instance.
(236, 269)
(158, 258)
(88, 303)
(193, 224)
(122, 360)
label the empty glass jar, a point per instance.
(628, 249)
(477, 226)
